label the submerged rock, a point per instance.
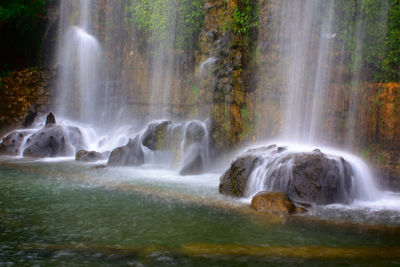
(309, 177)
(129, 155)
(88, 156)
(274, 202)
(156, 135)
(11, 143)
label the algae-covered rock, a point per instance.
(274, 202)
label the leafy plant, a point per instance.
(370, 31)
(22, 13)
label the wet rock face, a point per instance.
(274, 202)
(129, 155)
(309, 177)
(88, 156)
(156, 135)
(47, 142)
(234, 181)
(318, 179)
(11, 144)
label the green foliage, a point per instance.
(245, 17)
(161, 19)
(370, 31)
(22, 13)
(391, 62)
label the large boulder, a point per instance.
(88, 156)
(11, 143)
(47, 142)
(156, 136)
(274, 202)
(309, 177)
(130, 155)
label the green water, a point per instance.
(58, 214)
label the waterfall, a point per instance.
(79, 58)
(307, 77)
(312, 75)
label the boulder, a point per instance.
(156, 136)
(274, 202)
(11, 143)
(308, 177)
(194, 162)
(54, 141)
(47, 142)
(88, 156)
(129, 155)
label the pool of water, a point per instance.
(68, 213)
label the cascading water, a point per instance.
(306, 34)
(79, 59)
